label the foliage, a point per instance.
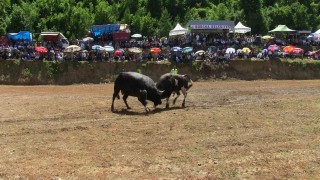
(156, 17)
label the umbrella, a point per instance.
(297, 51)
(239, 51)
(72, 48)
(108, 48)
(136, 36)
(96, 47)
(200, 52)
(273, 47)
(264, 51)
(230, 50)
(266, 37)
(246, 50)
(187, 49)
(41, 49)
(135, 50)
(155, 50)
(288, 49)
(122, 51)
(87, 39)
(163, 39)
(176, 48)
(117, 52)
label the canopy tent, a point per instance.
(178, 30)
(22, 35)
(282, 28)
(99, 30)
(240, 28)
(317, 32)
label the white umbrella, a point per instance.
(135, 50)
(136, 36)
(200, 52)
(239, 51)
(72, 48)
(230, 50)
(109, 48)
(87, 39)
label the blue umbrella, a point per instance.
(176, 49)
(187, 49)
(96, 47)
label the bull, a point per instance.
(136, 85)
(173, 84)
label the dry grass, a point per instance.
(229, 130)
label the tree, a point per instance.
(23, 17)
(165, 24)
(80, 21)
(4, 18)
(252, 13)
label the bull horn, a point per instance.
(160, 92)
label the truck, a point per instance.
(118, 32)
(56, 37)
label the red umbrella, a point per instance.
(117, 52)
(155, 50)
(41, 49)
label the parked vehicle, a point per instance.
(57, 37)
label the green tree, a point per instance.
(4, 18)
(253, 14)
(80, 21)
(23, 17)
(165, 24)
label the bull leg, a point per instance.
(115, 94)
(125, 96)
(175, 99)
(143, 99)
(185, 93)
(167, 105)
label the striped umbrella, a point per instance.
(273, 47)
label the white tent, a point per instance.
(317, 32)
(178, 30)
(240, 28)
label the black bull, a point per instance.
(137, 85)
(174, 83)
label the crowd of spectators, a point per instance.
(214, 46)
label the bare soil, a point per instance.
(229, 130)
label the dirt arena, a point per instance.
(229, 130)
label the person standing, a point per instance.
(174, 70)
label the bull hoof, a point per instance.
(183, 105)
(167, 106)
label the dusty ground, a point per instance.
(229, 130)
